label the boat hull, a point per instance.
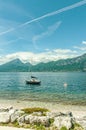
(33, 83)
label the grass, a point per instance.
(77, 126)
(35, 109)
(51, 120)
(63, 128)
(42, 127)
(15, 124)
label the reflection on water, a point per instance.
(58, 87)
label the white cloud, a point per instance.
(7, 31)
(64, 51)
(36, 58)
(55, 12)
(48, 15)
(84, 42)
(82, 48)
(47, 49)
(11, 41)
(7, 26)
(51, 29)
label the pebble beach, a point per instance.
(78, 111)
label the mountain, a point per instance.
(15, 65)
(73, 64)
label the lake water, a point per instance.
(52, 88)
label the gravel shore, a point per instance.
(11, 128)
(78, 111)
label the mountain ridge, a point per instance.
(73, 64)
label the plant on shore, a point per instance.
(51, 120)
(35, 109)
(15, 124)
(63, 128)
(76, 126)
(39, 127)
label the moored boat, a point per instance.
(33, 81)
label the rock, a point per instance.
(12, 111)
(33, 119)
(69, 114)
(4, 117)
(43, 120)
(82, 121)
(53, 114)
(61, 121)
(15, 114)
(5, 109)
(21, 120)
(14, 117)
(8, 115)
(30, 119)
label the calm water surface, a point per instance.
(13, 86)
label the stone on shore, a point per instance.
(81, 121)
(51, 119)
(61, 121)
(15, 115)
(4, 117)
(21, 120)
(43, 120)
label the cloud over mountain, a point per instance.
(35, 58)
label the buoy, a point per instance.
(65, 84)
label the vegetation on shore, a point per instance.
(35, 109)
(42, 127)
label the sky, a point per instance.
(42, 30)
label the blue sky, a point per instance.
(43, 30)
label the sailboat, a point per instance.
(34, 80)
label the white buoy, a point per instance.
(65, 84)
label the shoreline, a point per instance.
(77, 110)
(12, 128)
